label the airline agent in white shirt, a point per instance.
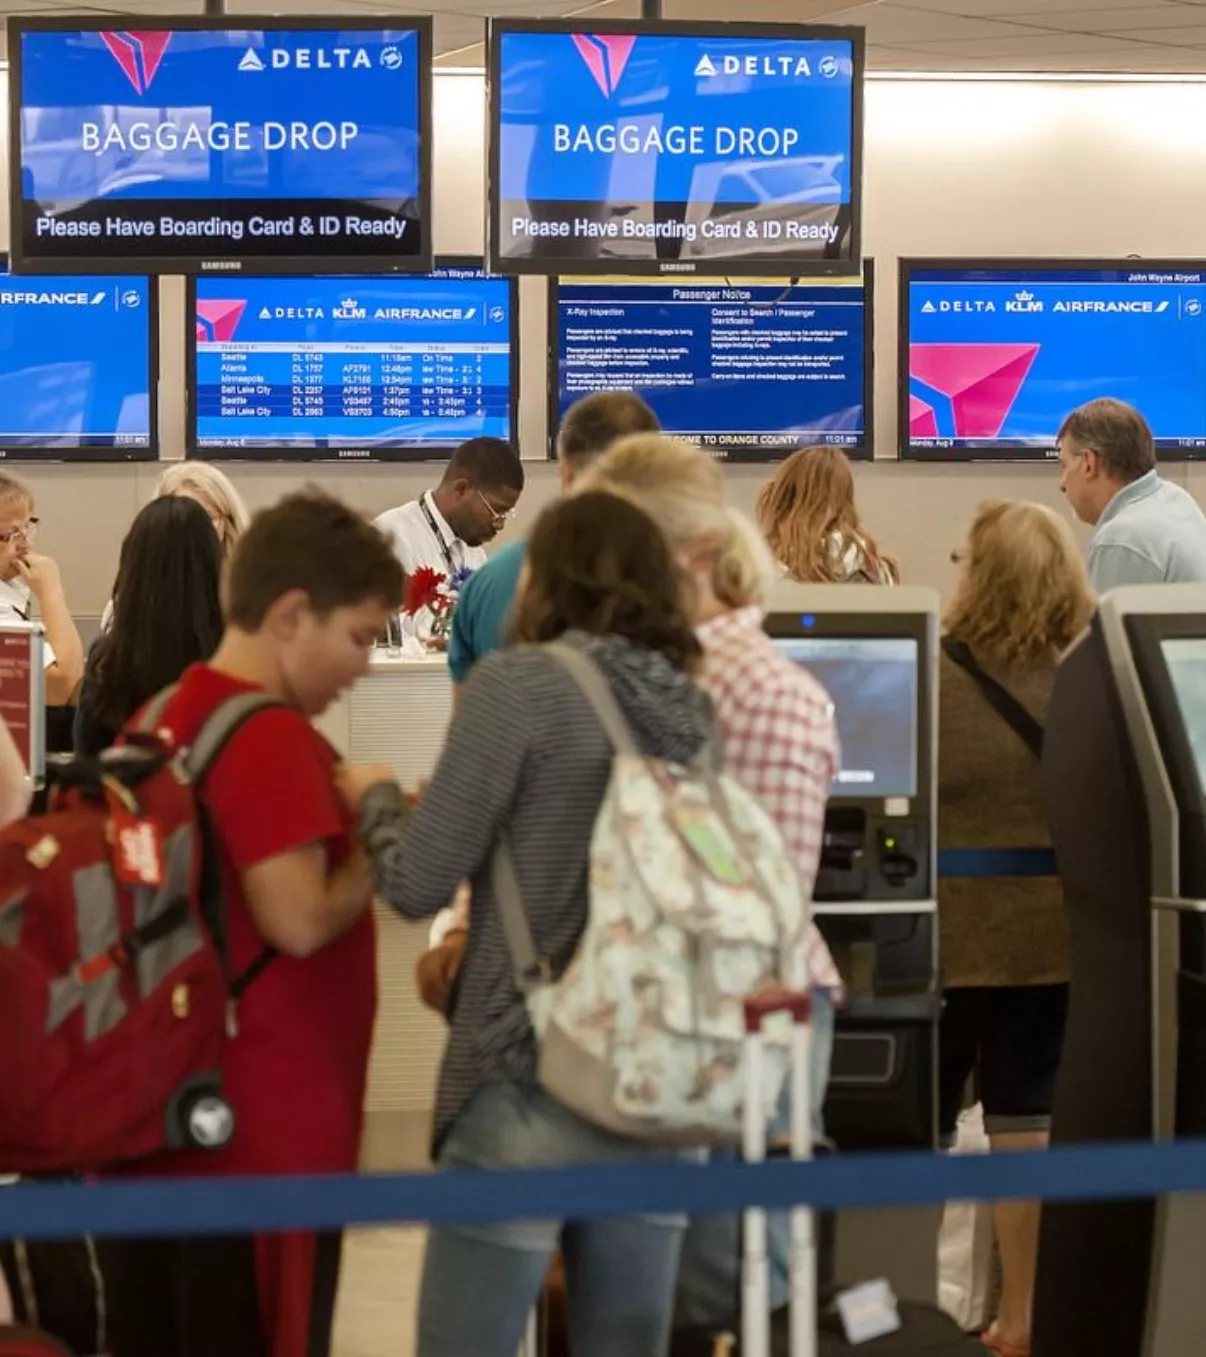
(447, 528)
(26, 578)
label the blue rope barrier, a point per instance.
(973, 863)
(232, 1205)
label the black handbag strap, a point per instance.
(998, 697)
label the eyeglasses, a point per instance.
(27, 532)
(500, 516)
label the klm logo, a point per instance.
(348, 309)
(1025, 303)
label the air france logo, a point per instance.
(606, 56)
(138, 54)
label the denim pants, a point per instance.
(481, 1282)
(709, 1282)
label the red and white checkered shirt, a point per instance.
(780, 743)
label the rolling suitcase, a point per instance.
(924, 1330)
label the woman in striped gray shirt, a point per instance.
(526, 758)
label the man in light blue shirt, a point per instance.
(1148, 531)
(589, 428)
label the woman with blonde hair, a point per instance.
(213, 491)
(808, 515)
(1023, 596)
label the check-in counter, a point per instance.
(398, 714)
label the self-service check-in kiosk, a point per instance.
(874, 650)
(1124, 771)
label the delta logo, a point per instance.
(217, 321)
(139, 54)
(782, 65)
(606, 55)
(320, 59)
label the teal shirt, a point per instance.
(479, 623)
(1152, 532)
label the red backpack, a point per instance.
(115, 996)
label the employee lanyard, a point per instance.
(439, 536)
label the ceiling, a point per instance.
(1111, 36)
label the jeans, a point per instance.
(709, 1279)
(480, 1282)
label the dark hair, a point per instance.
(594, 423)
(1117, 433)
(312, 542)
(487, 464)
(599, 564)
(167, 612)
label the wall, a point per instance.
(952, 167)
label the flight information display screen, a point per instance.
(675, 147)
(872, 683)
(391, 367)
(203, 143)
(748, 371)
(77, 368)
(998, 355)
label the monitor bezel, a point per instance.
(224, 264)
(636, 268)
(1004, 453)
(353, 453)
(861, 452)
(30, 454)
(870, 626)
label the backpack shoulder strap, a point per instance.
(594, 687)
(220, 728)
(1002, 701)
(152, 713)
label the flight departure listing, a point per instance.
(75, 368)
(214, 145)
(998, 358)
(748, 372)
(389, 367)
(674, 151)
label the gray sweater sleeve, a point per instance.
(419, 857)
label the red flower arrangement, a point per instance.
(425, 589)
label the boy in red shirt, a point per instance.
(309, 590)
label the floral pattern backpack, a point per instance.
(694, 906)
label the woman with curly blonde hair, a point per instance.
(808, 515)
(1022, 598)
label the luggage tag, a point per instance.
(868, 1311)
(714, 851)
(138, 852)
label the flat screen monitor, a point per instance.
(78, 368)
(1185, 658)
(998, 353)
(391, 367)
(872, 682)
(271, 145)
(678, 147)
(749, 371)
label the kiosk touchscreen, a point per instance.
(874, 651)
(1124, 772)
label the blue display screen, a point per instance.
(997, 358)
(220, 143)
(76, 367)
(747, 371)
(351, 367)
(674, 150)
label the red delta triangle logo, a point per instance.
(981, 380)
(138, 54)
(605, 55)
(218, 321)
